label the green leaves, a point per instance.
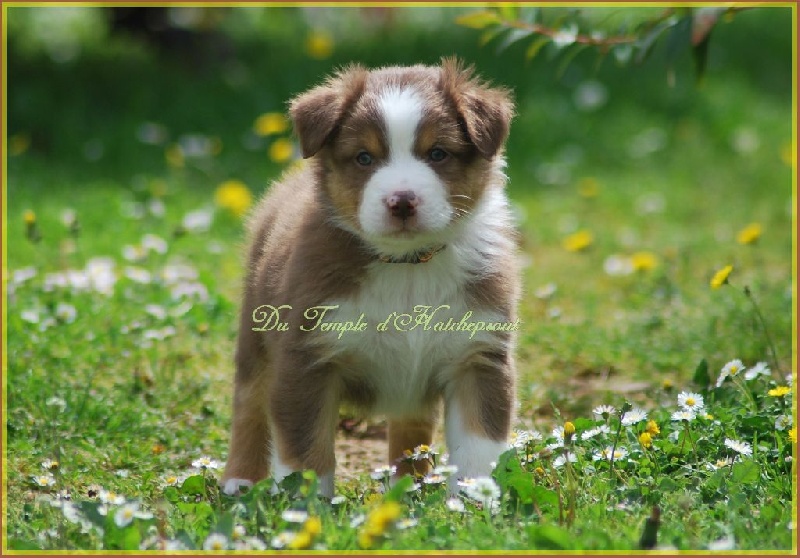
(479, 20)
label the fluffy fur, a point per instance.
(401, 205)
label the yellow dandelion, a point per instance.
(18, 144)
(319, 45)
(281, 150)
(174, 156)
(300, 541)
(364, 540)
(569, 428)
(578, 241)
(645, 439)
(234, 196)
(721, 277)
(158, 449)
(708, 416)
(792, 435)
(381, 518)
(779, 391)
(271, 123)
(750, 234)
(29, 217)
(588, 187)
(652, 428)
(667, 384)
(313, 526)
(789, 154)
(644, 261)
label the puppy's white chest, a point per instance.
(406, 350)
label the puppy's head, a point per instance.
(405, 152)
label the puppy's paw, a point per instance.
(232, 487)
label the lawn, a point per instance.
(123, 263)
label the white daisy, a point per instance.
(634, 416)
(684, 414)
(216, 541)
(111, 497)
(760, 369)
(455, 505)
(128, 512)
(691, 401)
(604, 411)
(294, 516)
(783, 422)
(204, 462)
(733, 368)
(337, 500)
(434, 478)
(607, 452)
(562, 459)
(446, 470)
(739, 447)
(383, 472)
(483, 490)
(406, 523)
(45, 480)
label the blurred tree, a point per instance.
(629, 34)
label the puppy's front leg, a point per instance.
(304, 407)
(479, 405)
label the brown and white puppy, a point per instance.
(401, 206)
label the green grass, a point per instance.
(123, 415)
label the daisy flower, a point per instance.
(760, 369)
(424, 451)
(216, 541)
(294, 516)
(49, 464)
(684, 414)
(383, 472)
(634, 416)
(44, 481)
(606, 454)
(434, 478)
(205, 463)
(733, 368)
(739, 447)
(406, 523)
(691, 401)
(455, 505)
(110, 497)
(484, 490)
(562, 459)
(604, 411)
(783, 422)
(128, 512)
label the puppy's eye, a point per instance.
(437, 154)
(364, 159)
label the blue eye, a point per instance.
(364, 159)
(436, 155)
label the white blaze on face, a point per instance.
(402, 111)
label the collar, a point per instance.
(414, 257)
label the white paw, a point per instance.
(232, 486)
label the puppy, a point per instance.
(382, 274)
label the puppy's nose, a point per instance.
(402, 204)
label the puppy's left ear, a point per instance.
(317, 112)
(486, 111)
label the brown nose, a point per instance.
(402, 204)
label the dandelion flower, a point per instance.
(684, 414)
(652, 428)
(319, 45)
(634, 416)
(644, 261)
(792, 435)
(604, 411)
(732, 369)
(645, 439)
(739, 447)
(578, 241)
(569, 429)
(750, 234)
(300, 541)
(691, 401)
(281, 150)
(313, 526)
(271, 123)
(721, 277)
(216, 541)
(379, 519)
(779, 391)
(234, 196)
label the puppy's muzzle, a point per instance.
(402, 205)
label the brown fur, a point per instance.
(305, 250)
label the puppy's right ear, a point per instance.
(317, 112)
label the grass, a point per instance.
(130, 393)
